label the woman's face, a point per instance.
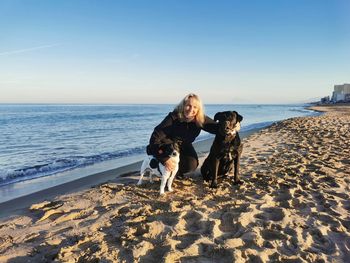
(191, 109)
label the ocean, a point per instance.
(46, 140)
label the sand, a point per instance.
(293, 207)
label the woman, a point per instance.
(183, 124)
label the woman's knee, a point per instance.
(188, 165)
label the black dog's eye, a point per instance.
(229, 123)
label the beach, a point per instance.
(294, 206)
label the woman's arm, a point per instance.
(210, 125)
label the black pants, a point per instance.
(188, 160)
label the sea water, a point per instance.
(48, 139)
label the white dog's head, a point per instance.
(171, 149)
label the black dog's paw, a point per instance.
(214, 185)
(238, 182)
(205, 176)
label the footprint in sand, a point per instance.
(273, 234)
(329, 181)
(272, 214)
(283, 198)
(187, 240)
(328, 220)
(230, 225)
(196, 224)
(321, 243)
(346, 205)
(213, 252)
(167, 218)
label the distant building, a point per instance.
(341, 93)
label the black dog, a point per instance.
(226, 149)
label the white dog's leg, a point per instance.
(141, 176)
(171, 179)
(151, 176)
(143, 169)
(164, 180)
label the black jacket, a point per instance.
(172, 129)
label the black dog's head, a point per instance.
(228, 122)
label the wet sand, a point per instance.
(294, 206)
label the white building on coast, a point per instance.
(341, 93)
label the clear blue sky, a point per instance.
(63, 51)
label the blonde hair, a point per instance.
(180, 108)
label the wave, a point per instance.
(61, 165)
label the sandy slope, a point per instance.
(294, 206)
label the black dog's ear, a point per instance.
(239, 117)
(166, 149)
(218, 116)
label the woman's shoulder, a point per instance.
(168, 120)
(173, 115)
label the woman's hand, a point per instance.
(238, 127)
(170, 165)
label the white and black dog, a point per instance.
(151, 164)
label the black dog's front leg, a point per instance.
(214, 182)
(205, 170)
(236, 179)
